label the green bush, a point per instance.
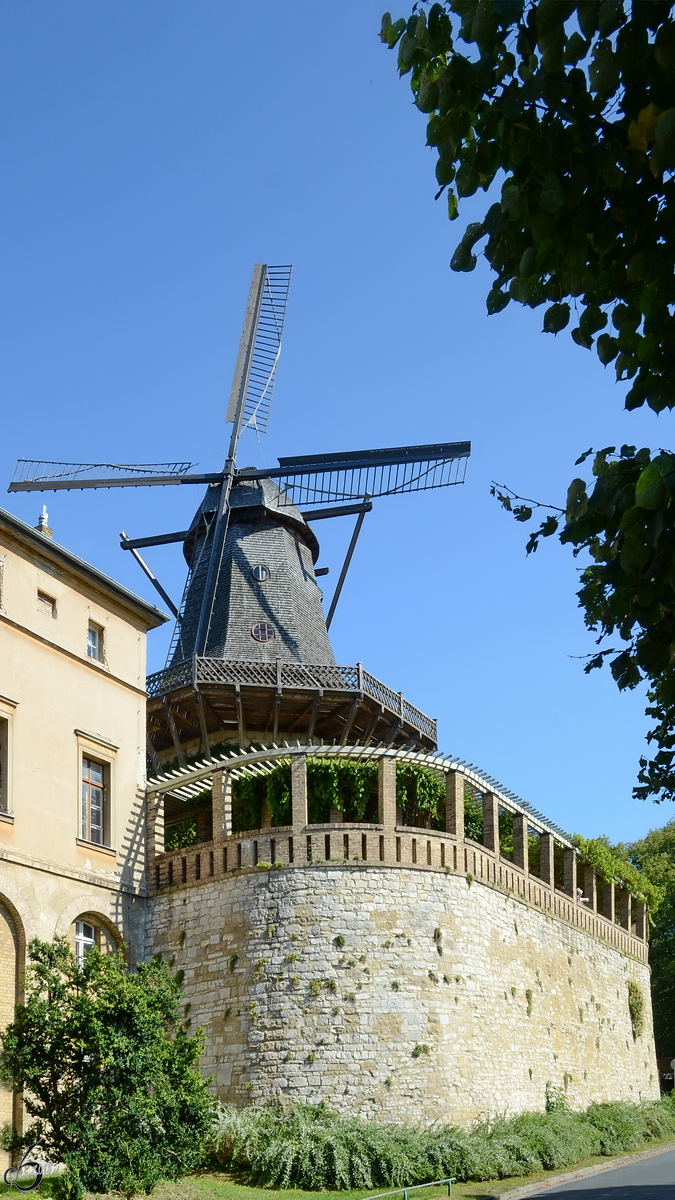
(313, 1148)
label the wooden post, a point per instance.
(491, 822)
(641, 921)
(570, 873)
(546, 859)
(454, 804)
(589, 884)
(520, 846)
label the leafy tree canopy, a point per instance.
(569, 106)
(655, 857)
(109, 1078)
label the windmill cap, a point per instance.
(252, 500)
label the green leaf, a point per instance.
(650, 489)
(556, 318)
(551, 196)
(496, 299)
(592, 319)
(607, 348)
(577, 500)
(665, 139)
(583, 458)
(581, 338)
(453, 206)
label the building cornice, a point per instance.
(51, 552)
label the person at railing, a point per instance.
(581, 899)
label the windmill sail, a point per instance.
(312, 479)
(260, 347)
(36, 475)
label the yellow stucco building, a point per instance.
(72, 755)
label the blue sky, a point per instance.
(152, 151)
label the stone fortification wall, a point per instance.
(400, 993)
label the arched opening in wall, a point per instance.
(12, 954)
(91, 931)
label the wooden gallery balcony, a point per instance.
(542, 868)
(203, 698)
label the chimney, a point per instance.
(42, 526)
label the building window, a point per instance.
(93, 818)
(85, 940)
(46, 604)
(262, 631)
(95, 642)
(260, 572)
(4, 765)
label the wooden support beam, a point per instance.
(313, 718)
(174, 734)
(241, 722)
(152, 754)
(372, 724)
(641, 921)
(391, 733)
(350, 719)
(608, 900)
(203, 727)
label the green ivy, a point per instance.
(180, 835)
(421, 795)
(610, 863)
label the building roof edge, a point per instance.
(59, 555)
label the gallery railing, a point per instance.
(622, 923)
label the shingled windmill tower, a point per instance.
(250, 658)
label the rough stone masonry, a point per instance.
(400, 994)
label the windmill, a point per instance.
(250, 653)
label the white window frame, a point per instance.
(100, 751)
(7, 711)
(53, 604)
(99, 630)
(84, 943)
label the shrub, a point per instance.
(313, 1148)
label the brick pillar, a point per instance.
(454, 804)
(155, 826)
(299, 807)
(608, 901)
(623, 904)
(386, 806)
(570, 872)
(641, 921)
(520, 846)
(386, 792)
(589, 884)
(491, 822)
(221, 799)
(546, 855)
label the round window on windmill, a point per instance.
(262, 631)
(260, 572)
